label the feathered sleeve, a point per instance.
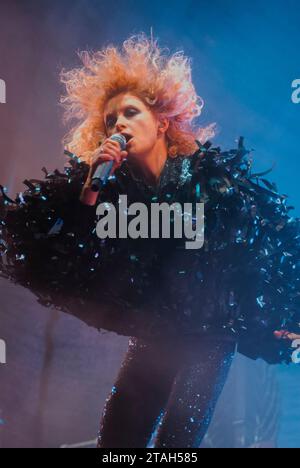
(41, 230)
(251, 228)
(49, 245)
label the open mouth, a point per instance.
(128, 137)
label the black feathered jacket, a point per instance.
(242, 285)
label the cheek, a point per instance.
(151, 131)
(147, 131)
(150, 137)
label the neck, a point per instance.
(151, 164)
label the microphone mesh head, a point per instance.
(120, 139)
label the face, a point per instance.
(127, 114)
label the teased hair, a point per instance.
(141, 67)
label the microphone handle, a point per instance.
(101, 175)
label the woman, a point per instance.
(186, 310)
(155, 376)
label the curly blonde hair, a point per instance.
(145, 70)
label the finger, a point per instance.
(109, 149)
(122, 157)
(108, 144)
(124, 154)
(103, 157)
(111, 144)
(103, 149)
(117, 166)
(293, 336)
(285, 335)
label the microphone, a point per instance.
(103, 171)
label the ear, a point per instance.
(163, 125)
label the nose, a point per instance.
(120, 124)
(119, 127)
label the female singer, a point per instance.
(186, 310)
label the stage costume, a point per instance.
(240, 287)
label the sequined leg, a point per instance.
(140, 392)
(194, 395)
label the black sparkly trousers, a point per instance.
(166, 393)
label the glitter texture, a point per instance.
(243, 284)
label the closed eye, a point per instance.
(111, 119)
(131, 111)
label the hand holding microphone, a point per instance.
(105, 161)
